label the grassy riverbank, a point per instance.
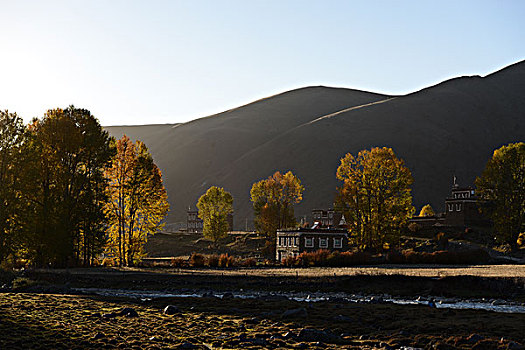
(31, 321)
(38, 309)
(393, 280)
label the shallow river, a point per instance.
(496, 305)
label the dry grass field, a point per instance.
(506, 271)
(47, 321)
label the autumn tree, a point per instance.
(273, 201)
(63, 186)
(427, 211)
(137, 203)
(501, 189)
(215, 206)
(12, 137)
(375, 196)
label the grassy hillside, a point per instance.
(448, 129)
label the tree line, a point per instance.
(376, 201)
(70, 192)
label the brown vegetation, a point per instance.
(77, 322)
(337, 259)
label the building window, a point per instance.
(290, 241)
(338, 243)
(309, 242)
(295, 241)
(323, 242)
(458, 207)
(450, 207)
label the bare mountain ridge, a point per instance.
(450, 128)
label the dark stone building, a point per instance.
(461, 210)
(193, 223)
(295, 242)
(328, 218)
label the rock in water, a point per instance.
(170, 310)
(227, 295)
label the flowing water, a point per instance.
(497, 305)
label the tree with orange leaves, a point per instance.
(137, 204)
(273, 201)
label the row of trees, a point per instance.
(375, 196)
(375, 199)
(70, 192)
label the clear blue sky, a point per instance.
(140, 62)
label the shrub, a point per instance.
(442, 240)
(213, 260)
(290, 261)
(249, 262)
(177, 262)
(473, 256)
(226, 261)
(197, 260)
(327, 258)
(395, 257)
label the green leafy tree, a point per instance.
(214, 208)
(12, 138)
(501, 189)
(65, 156)
(273, 201)
(138, 201)
(427, 211)
(375, 196)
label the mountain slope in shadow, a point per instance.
(448, 129)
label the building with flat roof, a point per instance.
(296, 241)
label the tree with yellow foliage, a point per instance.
(273, 201)
(214, 208)
(137, 203)
(375, 196)
(501, 189)
(427, 211)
